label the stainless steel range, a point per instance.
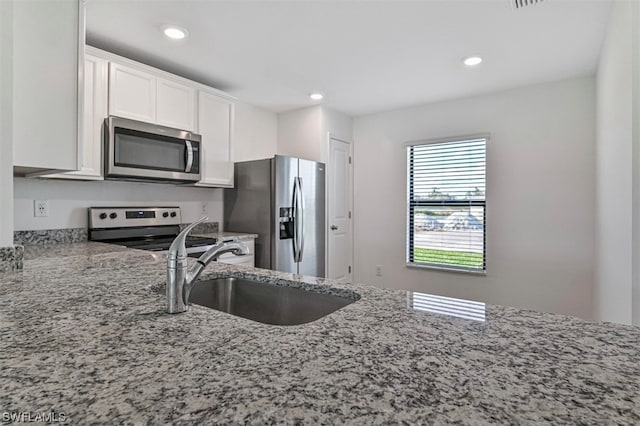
(144, 228)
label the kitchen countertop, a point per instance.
(227, 235)
(85, 335)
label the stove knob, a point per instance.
(113, 215)
(173, 214)
(165, 214)
(103, 216)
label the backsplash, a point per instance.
(50, 236)
(203, 228)
(11, 258)
(77, 235)
(68, 201)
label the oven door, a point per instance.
(138, 150)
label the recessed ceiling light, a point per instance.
(175, 33)
(472, 61)
(316, 96)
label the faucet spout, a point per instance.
(180, 280)
(230, 246)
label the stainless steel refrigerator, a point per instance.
(282, 199)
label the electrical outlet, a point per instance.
(378, 270)
(204, 208)
(40, 208)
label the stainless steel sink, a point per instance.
(266, 303)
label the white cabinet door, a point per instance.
(48, 44)
(215, 124)
(132, 93)
(247, 260)
(176, 105)
(95, 111)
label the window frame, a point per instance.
(409, 246)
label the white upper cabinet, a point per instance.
(117, 86)
(95, 111)
(176, 104)
(48, 50)
(143, 96)
(215, 124)
(132, 93)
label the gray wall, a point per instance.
(618, 170)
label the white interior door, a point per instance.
(339, 189)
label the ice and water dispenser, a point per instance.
(286, 223)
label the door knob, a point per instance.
(333, 227)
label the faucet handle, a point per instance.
(178, 248)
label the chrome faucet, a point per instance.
(180, 280)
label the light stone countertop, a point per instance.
(227, 235)
(84, 334)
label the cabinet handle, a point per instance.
(334, 228)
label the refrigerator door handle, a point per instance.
(295, 219)
(301, 221)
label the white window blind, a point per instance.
(446, 204)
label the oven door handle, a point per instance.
(189, 155)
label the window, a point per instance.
(446, 204)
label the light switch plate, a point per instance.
(378, 270)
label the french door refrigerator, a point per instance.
(282, 199)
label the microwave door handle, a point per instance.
(189, 155)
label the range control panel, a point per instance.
(120, 217)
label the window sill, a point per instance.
(445, 269)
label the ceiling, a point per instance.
(365, 56)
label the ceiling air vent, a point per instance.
(519, 4)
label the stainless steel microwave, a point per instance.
(135, 150)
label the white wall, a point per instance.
(615, 172)
(68, 200)
(255, 133)
(255, 136)
(635, 9)
(300, 133)
(6, 118)
(338, 124)
(540, 196)
(303, 132)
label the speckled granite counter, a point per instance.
(84, 334)
(228, 235)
